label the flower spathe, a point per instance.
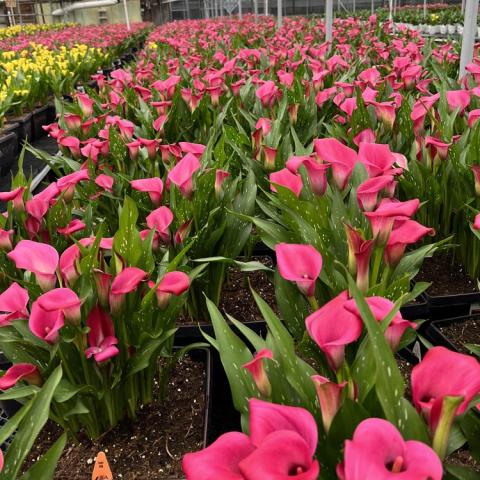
(46, 324)
(63, 299)
(430, 384)
(281, 445)
(301, 264)
(101, 337)
(20, 371)
(256, 367)
(172, 283)
(39, 258)
(378, 451)
(13, 304)
(332, 327)
(182, 174)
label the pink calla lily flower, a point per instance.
(20, 371)
(161, 219)
(332, 327)
(281, 445)
(46, 324)
(13, 304)
(256, 367)
(378, 451)
(287, 179)
(39, 258)
(341, 157)
(153, 186)
(301, 264)
(182, 174)
(442, 373)
(101, 337)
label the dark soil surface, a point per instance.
(237, 299)
(153, 447)
(406, 371)
(463, 458)
(461, 332)
(447, 278)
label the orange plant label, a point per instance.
(102, 470)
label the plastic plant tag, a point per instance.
(102, 471)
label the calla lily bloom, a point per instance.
(68, 264)
(182, 174)
(74, 226)
(301, 264)
(125, 282)
(268, 93)
(281, 445)
(476, 176)
(332, 327)
(317, 172)
(67, 183)
(105, 182)
(256, 367)
(63, 299)
(359, 253)
(6, 239)
(377, 159)
(160, 219)
(220, 177)
(20, 371)
(101, 337)
(329, 396)
(173, 283)
(378, 451)
(381, 308)
(196, 149)
(458, 99)
(383, 218)
(443, 373)
(405, 232)
(15, 196)
(476, 222)
(39, 258)
(153, 186)
(341, 157)
(46, 324)
(13, 304)
(287, 179)
(368, 191)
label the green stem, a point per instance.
(442, 432)
(377, 260)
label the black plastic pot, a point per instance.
(39, 119)
(434, 334)
(24, 130)
(8, 151)
(416, 311)
(51, 113)
(261, 250)
(448, 306)
(187, 334)
(204, 355)
(223, 416)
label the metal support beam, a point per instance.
(279, 13)
(328, 19)
(469, 34)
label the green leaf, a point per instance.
(30, 427)
(20, 391)
(389, 382)
(143, 356)
(233, 354)
(45, 467)
(460, 473)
